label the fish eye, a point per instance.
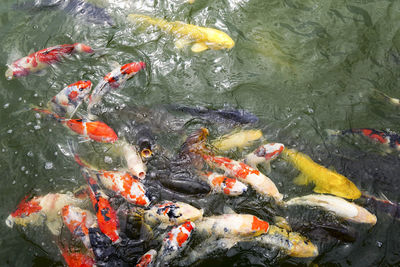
(146, 153)
(81, 89)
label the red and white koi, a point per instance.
(261, 183)
(43, 58)
(147, 259)
(116, 78)
(76, 259)
(336, 205)
(78, 221)
(106, 216)
(67, 101)
(95, 130)
(264, 154)
(223, 184)
(41, 209)
(176, 240)
(232, 225)
(172, 213)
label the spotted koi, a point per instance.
(41, 209)
(43, 58)
(383, 137)
(223, 184)
(115, 79)
(106, 216)
(261, 183)
(232, 225)
(147, 259)
(78, 221)
(172, 213)
(176, 240)
(264, 154)
(66, 102)
(76, 259)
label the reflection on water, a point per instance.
(301, 67)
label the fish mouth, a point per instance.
(10, 221)
(9, 74)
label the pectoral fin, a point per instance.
(54, 226)
(302, 179)
(199, 47)
(181, 43)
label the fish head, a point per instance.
(131, 68)
(82, 48)
(101, 132)
(79, 91)
(16, 71)
(10, 221)
(26, 208)
(269, 151)
(217, 39)
(301, 247)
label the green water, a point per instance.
(301, 66)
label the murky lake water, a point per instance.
(301, 66)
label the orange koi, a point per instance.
(76, 259)
(147, 259)
(223, 184)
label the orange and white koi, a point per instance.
(147, 259)
(116, 78)
(41, 209)
(264, 154)
(261, 183)
(43, 58)
(223, 184)
(336, 205)
(67, 101)
(172, 213)
(106, 216)
(95, 130)
(76, 259)
(78, 221)
(175, 241)
(232, 225)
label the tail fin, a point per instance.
(79, 160)
(331, 132)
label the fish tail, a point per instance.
(331, 132)
(79, 160)
(82, 48)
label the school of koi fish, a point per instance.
(96, 228)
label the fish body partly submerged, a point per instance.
(43, 58)
(264, 154)
(325, 180)
(175, 241)
(336, 205)
(237, 139)
(261, 183)
(76, 259)
(113, 80)
(95, 130)
(106, 216)
(43, 209)
(78, 221)
(232, 225)
(202, 37)
(172, 213)
(223, 184)
(133, 160)
(147, 260)
(66, 102)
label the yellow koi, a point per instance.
(202, 37)
(325, 180)
(239, 139)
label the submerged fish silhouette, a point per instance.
(77, 8)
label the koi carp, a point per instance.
(326, 181)
(202, 37)
(106, 216)
(222, 184)
(113, 80)
(261, 183)
(133, 159)
(263, 155)
(175, 241)
(78, 221)
(172, 213)
(389, 139)
(336, 205)
(232, 225)
(76, 259)
(120, 182)
(147, 259)
(239, 139)
(95, 130)
(41, 209)
(67, 101)
(43, 58)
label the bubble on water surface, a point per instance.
(6, 105)
(48, 165)
(36, 127)
(37, 116)
(108, 159)
(23, 168)
(10, 131)
(14, 182)
(29, 154)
